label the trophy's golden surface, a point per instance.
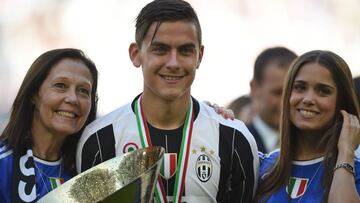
(127, 178)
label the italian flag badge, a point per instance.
(168, 167)
(56, 182)
(297, 187)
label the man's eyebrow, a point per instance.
(188, 45)
(154, 43)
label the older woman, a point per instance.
(55, 101)
(319, 133)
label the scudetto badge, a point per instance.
(203, 168)
(129, 147)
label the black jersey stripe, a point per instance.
(237, 173)
(95, 145)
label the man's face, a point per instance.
(169, 59)
(267, 94)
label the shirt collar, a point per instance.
(268, 135)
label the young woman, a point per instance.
(319, 133)
(56, 100)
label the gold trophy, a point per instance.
(127, 178)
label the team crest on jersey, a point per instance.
(203, 168)
(129, 147)
(168, 166)
(297, 187)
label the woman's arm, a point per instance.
(343, 187)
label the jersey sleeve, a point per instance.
(267, 162)
(239, 165)
(244, 170)
(95, 147)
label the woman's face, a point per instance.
(63, 102)
(313, 98)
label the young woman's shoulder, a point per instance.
(4, 150)
(6, 159)
(357, 166)
(357, 173)
(267, 161)
(6, 163)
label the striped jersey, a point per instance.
(222, 161)
(305, 184)
(45, 173)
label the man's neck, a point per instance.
(165, 114)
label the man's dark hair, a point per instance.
(281, 56)
(164, 10)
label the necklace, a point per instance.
(311, 180)
(53, 180)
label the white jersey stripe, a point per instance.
(3, 148)
(98, 142)
(5, 154)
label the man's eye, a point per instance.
(187, 50)
(159, 50)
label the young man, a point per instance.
(266, 86)
(209, 159)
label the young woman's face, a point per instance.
(313, 98)
(63, 102)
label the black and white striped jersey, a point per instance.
(222, 163)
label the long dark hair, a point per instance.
(17, 133)
(346, 99)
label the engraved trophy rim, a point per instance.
(137, 169)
